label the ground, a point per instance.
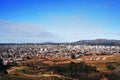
(100, 64)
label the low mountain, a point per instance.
(98, 42)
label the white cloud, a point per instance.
(20, 32)
(59, 29)
(78, 27)
(20, 29)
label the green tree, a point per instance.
(73, 56)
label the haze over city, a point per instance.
(32, 21)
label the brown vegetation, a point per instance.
(40, 68)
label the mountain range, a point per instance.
(106, 42)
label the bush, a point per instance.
(110, 67)
(73, 69)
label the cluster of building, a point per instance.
(13, 53)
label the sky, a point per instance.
(36, 21)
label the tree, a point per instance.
(1, 62)
(73, 56)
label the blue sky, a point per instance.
(31, 21)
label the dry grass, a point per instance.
(100, 64)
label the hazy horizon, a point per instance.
(36, 21)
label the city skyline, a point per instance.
(32, 21)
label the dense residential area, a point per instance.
(13, 53)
